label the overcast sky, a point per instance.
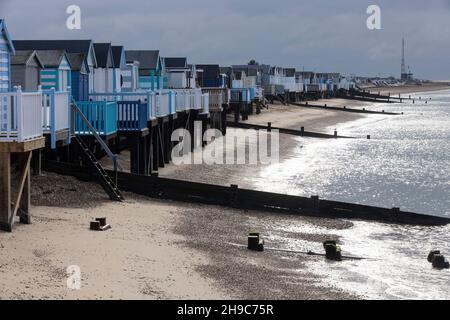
(320, 35)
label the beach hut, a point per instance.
(85, 47)
(80, 76)
(6, 51)
(56, 71)
(130, 76)
(119, 65)
(150, 68)
(209, 76)
(104, 71)
(26, 70)
(178, 73)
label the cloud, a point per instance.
(322, 35)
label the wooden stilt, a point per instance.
(5, 191)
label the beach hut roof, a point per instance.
(24, 57)
(52, 58)
(175, 63)
(78, 62)
(5, 33)
(290, 72)
(118, 56)
(70, 46)
(148, 59)
(210, 71)
(103, 54)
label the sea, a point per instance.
(406, 164)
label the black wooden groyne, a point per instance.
(345, 109)
(235, 197)
(367, 99)
(294, 132)
(380, 96)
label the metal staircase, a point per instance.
(105, 180)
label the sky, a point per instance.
(320, 35)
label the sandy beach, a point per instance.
(139, 258)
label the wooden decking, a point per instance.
(25, 146)
(19, 205)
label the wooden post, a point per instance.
(155, 148)
(37, 162)
(5, 191)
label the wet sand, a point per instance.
(317, 120)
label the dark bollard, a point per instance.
(368, 137)
(325, 105)
(409, 97)
(364, 109)
(395, 210)
(414, 101)
(345, 107)
(431, 255)
(426, 102)
(306, 102)
(382, 111)
(315, 202)
(335, 133)
(302, 130)
(269, 126)
(439, 262)
(255, 243)
(102, 221)
(332, 250)
(95, 226)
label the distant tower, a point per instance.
(405, 75)
(403, 72)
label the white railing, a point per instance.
(20, 115)
(259, 92)
(147, 96)
(162, 104)
(205, 103)
(198, 99)
(55, 111)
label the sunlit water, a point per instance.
(406, 164)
